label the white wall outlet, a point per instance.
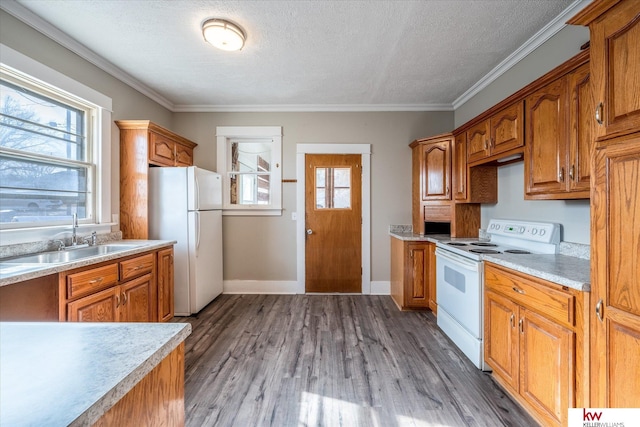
(294, 216)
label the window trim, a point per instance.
(224, 135)
(15, 63)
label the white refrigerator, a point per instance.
(185, 205)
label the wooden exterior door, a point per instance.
(333, 223)
(615, 273)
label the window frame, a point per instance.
(225, 135)
(17, 67)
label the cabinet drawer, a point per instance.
(86, 282)
(552, 303)
(136, 266)
(437, 213)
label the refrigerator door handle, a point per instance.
(197, 191)
(197, 232)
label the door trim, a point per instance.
(365, 151)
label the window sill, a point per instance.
(252, 212)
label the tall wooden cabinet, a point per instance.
(615, 198)
(143, 143)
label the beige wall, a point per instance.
(264, 248)
(573, 215)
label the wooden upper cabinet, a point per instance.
(436, 165)
(506, 128)
(500, 133)
(559, 135)
(143, 143)
(615, 64)
(459, 169)
(580, 131)
(546, 136)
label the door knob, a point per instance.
(309, 231)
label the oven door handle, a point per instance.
(459, 260)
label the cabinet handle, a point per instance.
(447, 190)
(98, 280)
(520, 325)
(572, 172)
(124, 298)
(561, 175)
(137, 267)
(411, 253)
(492, 142)
(486, 144)
(117, 300)
(520, 291)
(599, 114)
(512, 320)
(599, 310)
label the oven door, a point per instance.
(459, 290)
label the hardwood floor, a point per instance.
(315, 360)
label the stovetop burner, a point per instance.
(456, 244)
(484, 244)
(485, 251)
(516, 251)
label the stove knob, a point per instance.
(521, 230)
(543, 232)
(534, 231)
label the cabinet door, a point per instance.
(161, 150)
(546, 366)
(184, 155)
(478, 142)
(136, 300)
(99, 307)
(436, 164)
(581, 130)
(546, 154)
(615, 294)
(460, 167)
(615, 67)
(417, 280)
(165, 285)
(506, 128)
(501, 337)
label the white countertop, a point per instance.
(60, 374)
(19, 273)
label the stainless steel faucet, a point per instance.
(74, 226)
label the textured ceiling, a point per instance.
(305, 53)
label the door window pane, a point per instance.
(333, 188)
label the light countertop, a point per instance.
(10, 274)
(565, 270)
(60, 374)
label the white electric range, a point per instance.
(460, 281)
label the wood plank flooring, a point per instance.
(316, 360)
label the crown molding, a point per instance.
(297, 108)
(548, 31)
(31, 19)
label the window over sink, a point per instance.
(53, 163)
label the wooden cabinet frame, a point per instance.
(413, 274)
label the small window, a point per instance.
(47, 166)
(333, 188)
(249, 159)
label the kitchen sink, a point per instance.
(59, 257)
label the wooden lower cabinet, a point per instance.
(165, 284)
(412, 274)
(138, 288)
(535, 334)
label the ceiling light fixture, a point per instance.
(223, 34)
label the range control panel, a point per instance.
(543, 232)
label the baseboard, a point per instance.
(260, 287)
(381, 287)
